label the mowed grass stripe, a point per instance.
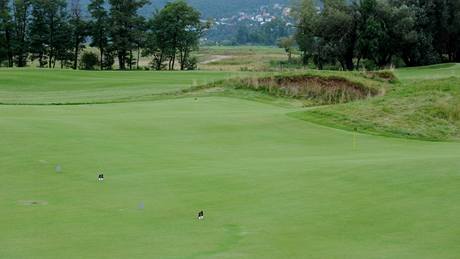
(43, 86)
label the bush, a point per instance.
(88, 61)
(191, 63)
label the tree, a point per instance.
(287, 43)
(174, 31)
(189, 36)
(381, 30)
(337, 27)
(123, 15)
(416, 45)
(99, 28)
(139, 33)
(272, 31)
(64, 52)
(21, 40)
(157, 42)
(242, 35)
(48, 20)
(39, 31)
(419, 32)
(304, 12)
(78, 28)
(329, 35)
(88, 61)
(6, 33)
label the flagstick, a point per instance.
(354, 138)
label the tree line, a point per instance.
(53, 32)
(266, 34)
(378, 33)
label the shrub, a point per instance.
(191, 63)
(88, 61)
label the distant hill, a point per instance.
(213, 8)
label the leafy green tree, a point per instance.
(157, 43)
(304, 12)
(21, 38)
(64, 52)
(287, 43)
(174, 31)
(419, 32)
(337, 27)
(48, 19)
(140, 38)
(78, 29)
(189, 36)
(242, 35)
(124, 14)
(39, 31)
(416, 46)
(381, 30)
(6, 33)
(272, 31)
(88, 61)
(99, 28)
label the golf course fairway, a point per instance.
(271, 186)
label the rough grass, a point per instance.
(320, 90)
(422, 108)
(310, 88)
(247, 58)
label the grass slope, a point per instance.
(424, 105)
(271, 186)
(43, 86)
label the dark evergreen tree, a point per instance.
(6, 33)
(48, 19)
(21, 37)
(99, 28)
(79, 30)
(124, 14)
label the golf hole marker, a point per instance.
(200, 215)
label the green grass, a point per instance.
(271, 186)
(425, 104)
(43, 86)
(429, 72)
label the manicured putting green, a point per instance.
(271, 186)
(43, 86)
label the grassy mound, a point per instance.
(421, 109)
(311, 88)
(324, 90)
